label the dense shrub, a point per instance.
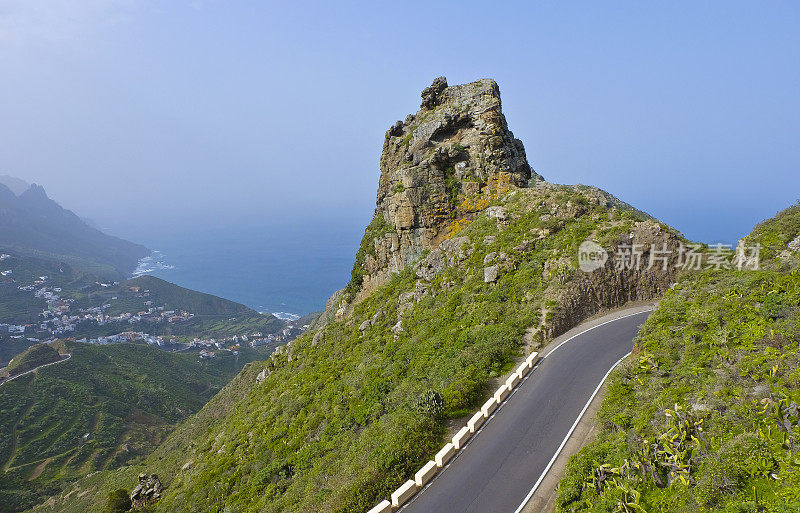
(118, 501)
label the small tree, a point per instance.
(430, 403)
(118, 501)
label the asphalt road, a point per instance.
(498, 468)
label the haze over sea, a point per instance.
(288, 270)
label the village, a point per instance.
(61, 319)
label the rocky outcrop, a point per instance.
(456, 145)
(147, 492)
(453, 160)
(794, 245)
(625, 276)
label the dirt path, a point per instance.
(39, 469)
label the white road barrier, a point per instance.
(461, 437)
(429, 470)
(488, 407)
(405, 492)
(501, 393)
(443, 456)
(426, 473)
(512, 381)
(532, 359)
(476, 421)
(383, 507)
(523, 369)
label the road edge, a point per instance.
(544, 498)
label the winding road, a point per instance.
(64, 358)
(500, 468)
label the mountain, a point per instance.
(705, 416)
(34, 224)
(16, 185)
(471, 261)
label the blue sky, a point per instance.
(212, 112)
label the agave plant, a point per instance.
(677, 446)
(630, 500)
(601, 475)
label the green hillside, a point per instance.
(175, 297)
(34, 356)
(704, 415)
(104, 407)
(348, 413)
(21, 307)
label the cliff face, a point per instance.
(456, 145)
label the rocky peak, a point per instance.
(431, 94)
(432, 164)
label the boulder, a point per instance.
(147, 492)
(497, 213)
(397, 328)
(795, 244)
(264, 374)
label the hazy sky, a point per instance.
(190, 111)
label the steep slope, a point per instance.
(459, 273)
(35, 224)
(179, 298)
(105, 406)
(704, 416)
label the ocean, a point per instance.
(287, 271)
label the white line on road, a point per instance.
(574, 425)
(593, 327)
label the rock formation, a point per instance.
(445, 165)
(451, 149)
(147, 492)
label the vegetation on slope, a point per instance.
(94, 490)
(174, 297)
(775, 235)
(347, 414)
(704, 415)
(104, 407)
(34, 356)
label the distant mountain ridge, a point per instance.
(33, 223)
(17, 185)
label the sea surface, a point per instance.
(285, 270)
